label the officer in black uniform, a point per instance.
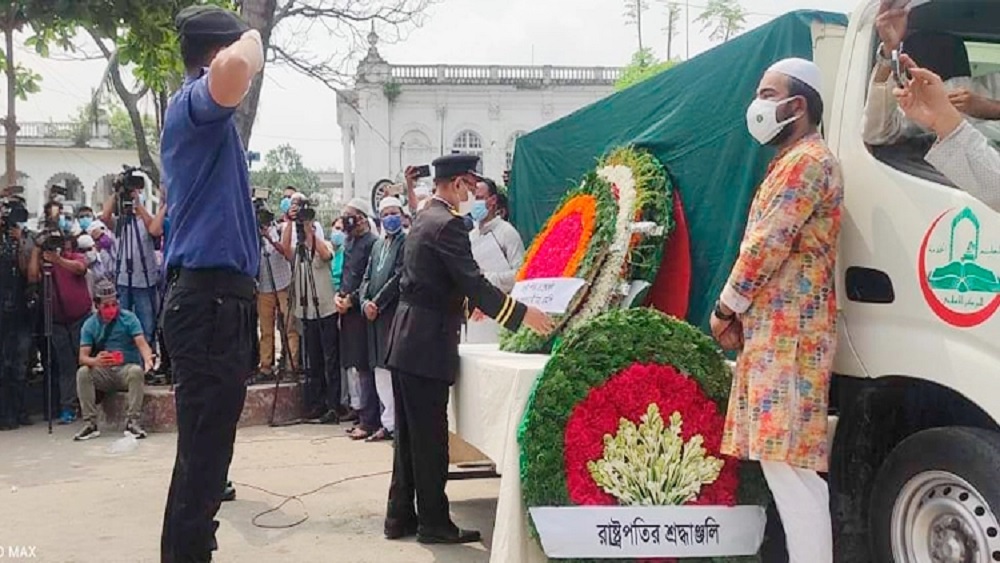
(440, 284)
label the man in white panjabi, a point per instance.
(499, 252)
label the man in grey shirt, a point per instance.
(961, 153)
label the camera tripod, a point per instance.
(284, 323)
(129, 238)
(47, 284)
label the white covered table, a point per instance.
(487, 404)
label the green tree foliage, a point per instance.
(724, 18)
(283, 167)
(644, 65)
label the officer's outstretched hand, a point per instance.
(538, 321)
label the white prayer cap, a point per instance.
(388, 202)
(97, 227)
(805, 71)
(85, 242)
(361, 205)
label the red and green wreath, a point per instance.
(610, 231)
(624, 376)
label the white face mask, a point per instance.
(762, 119)
(91, 256)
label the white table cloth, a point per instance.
(487, 404)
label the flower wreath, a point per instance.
(623, 396)
(630, 246)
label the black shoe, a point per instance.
(329, 418)
(314, 415)
(398, 532)
(351, 416)
(229, 493)
(88, 432)
(455, 537)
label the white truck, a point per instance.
(915, 461)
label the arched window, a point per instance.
(469, 142)
(511, 143)
(74, 187)
(415, 149)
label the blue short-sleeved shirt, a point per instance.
(213, 224)
(122, 336)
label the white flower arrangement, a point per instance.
(606, 286)
(651, 465)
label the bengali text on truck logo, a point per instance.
(957, 269)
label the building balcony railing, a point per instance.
(509, 75)
(60, 134)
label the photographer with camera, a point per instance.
(114, 356)
(136, 230)
(71, 303)
(312, 299)
(15, 311)
(272, 295)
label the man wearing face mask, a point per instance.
(353, 324)
(114, 355)
(440, 283)
(380, 295)
(498, 250)
(778, 308)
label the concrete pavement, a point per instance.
(76, 502)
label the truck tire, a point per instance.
(936, 499)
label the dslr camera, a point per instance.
(50, 239)
(124, 184)
(12, 212)
(306, 213)
(264, 215)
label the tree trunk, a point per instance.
(131, 103)
(638, 20)
(260, 15)
(10, 122)
(670, 32)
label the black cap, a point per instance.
(454, 165)
(209, 21)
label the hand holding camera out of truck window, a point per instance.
(925, 101)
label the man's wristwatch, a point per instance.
(719, 314)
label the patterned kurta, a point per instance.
(783, 286)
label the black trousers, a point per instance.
(321, 343)
(207, 326)
(15, 342)
(420, 462)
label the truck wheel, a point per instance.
(936, 499)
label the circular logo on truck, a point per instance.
(958, 269)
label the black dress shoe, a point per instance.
(458, 536)
(329, 418)
(400, 532)
(314, 414)
(351, 416)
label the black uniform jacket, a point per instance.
(440, 283)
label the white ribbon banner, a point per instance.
(551, 295)
(623, 532)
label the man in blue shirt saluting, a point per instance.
(212, 258)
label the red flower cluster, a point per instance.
(628, 395)
(557, 249)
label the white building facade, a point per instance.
(402, 115)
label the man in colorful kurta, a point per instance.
(779, 307)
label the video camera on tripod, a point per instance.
(131, 178)
(264, 215)
(306, 213)
(12, 213)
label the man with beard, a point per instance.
(440, 284)
(353, 324)
(212, 257)
(779, 308)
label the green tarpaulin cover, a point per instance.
(692, 118)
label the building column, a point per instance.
(346, 141)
